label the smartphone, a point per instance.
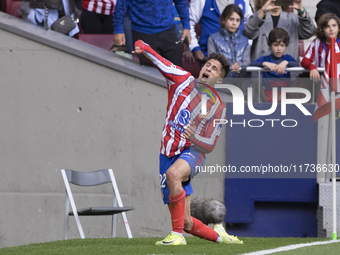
(284, 2)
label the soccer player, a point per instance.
(187, 135)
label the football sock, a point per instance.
(177, 208)
(201, 230)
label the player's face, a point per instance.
(278, 48)
(331, 30)
(232, 23)
(211, 72)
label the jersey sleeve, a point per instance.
(118, 17)
(258, 62)
(207, 142)
(168, 70)
(291, 61)
(308, 58)
(195, 14)
(183, 12)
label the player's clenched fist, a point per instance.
(189, 132)
(139, 47)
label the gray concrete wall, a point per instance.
(84, 111)
(66, 104)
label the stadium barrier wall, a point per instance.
(67, 104)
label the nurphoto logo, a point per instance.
(238, 106)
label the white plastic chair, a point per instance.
(93, 179)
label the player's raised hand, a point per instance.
(139, 47)
(137, 50)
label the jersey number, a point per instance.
(163, 179)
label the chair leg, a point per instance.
(127, 226)
(120, 203)
(114, 225)
(80, 228)
(66, 217)
(73, 205)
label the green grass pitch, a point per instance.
(140, 246)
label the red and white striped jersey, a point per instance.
(321, 49)
(184, 107)
(329, 81)
(100, 6)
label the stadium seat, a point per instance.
(104, 41)
(193, 68)
(301, 48)
(87, 179)
(13, 8)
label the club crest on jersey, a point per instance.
(184, 117)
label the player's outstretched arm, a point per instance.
(168, 69)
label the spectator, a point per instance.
(269, 16)
(229, 40)
(278, 40)
(208, 13)
(35, 12)
(97, 15)
(153, 22)
(328, 26)
(327, 6)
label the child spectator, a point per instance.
(278, 40)
(328, 26)
(268, 16)
(207, 12)
(229, 41)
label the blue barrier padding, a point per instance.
(274, 146)
(279, 219)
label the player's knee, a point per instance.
(172, 175)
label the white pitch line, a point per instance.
(289, 247)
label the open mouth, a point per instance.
(205, 75)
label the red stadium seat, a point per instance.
(301, 48)
(194, 68)
(104, 41)
(13, 8)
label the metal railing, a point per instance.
(289, 69)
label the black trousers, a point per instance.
(95, 23)
(165, 43)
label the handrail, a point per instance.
(289, 69)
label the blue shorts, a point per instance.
(192, 156)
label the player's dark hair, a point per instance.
(278, 35)
(228, 11)
(323, 22)
(225, 67)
